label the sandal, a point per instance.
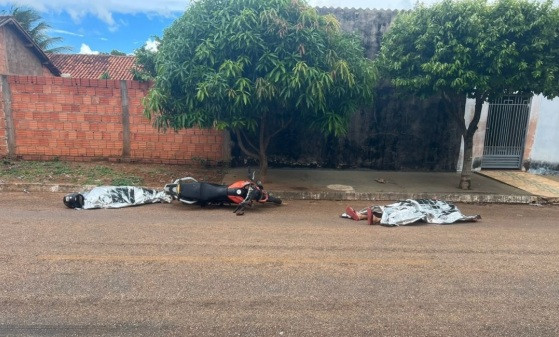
(352, 213)
(369, 216)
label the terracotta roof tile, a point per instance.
(93, 66)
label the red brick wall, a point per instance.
(82, 120)
(149, 144)
(3, 131)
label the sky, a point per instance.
(93, 26)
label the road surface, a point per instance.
(293, 270)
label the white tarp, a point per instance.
(411, 211)
(122, 196)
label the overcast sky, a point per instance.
(90, 26)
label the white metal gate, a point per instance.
(505, 136)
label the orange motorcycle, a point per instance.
(242, 193)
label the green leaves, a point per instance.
(31, 21)
(204, 53)
(231, 69)
(258, 66)
(474, 46)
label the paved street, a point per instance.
(293, 270)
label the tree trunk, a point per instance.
(263, 168)
(465, 178)
(257, 152)
(265, 134)
(263, 146)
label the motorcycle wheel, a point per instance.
(273, 199)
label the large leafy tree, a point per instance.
(144, 65)
(32, 22)
(476, 48)
(255, 67)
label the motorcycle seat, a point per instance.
(203, 192)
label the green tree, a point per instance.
(144, 64)
(31, 21)
(113, 52)
(116, 52)
(255, 67)
(475, 48)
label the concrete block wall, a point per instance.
(3, 128)
(369, 24)
(3, 139)
(87, 119)
(170, 146)
(3, 59)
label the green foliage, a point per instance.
(60, 171)
(475, 47)
(144, 69)
(117, 53)
(105, 76)
(113, 52)
(31, 21)
(249, 65)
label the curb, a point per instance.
(324, 195)
(391, 196)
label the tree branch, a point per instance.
(472, 128)
(242, 145)
(249, 142)
(283, 127)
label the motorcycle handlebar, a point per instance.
(252, 194)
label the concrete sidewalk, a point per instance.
(324, 184)
(546, 187)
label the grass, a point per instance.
(104, 173)
(58, 171)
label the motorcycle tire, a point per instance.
(274, 200)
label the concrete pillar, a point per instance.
(125, 119)
(10, 128)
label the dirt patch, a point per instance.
(103, 173)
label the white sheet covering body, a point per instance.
(122, 196)
(424, 210)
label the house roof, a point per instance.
(9, 21)
(93, 66)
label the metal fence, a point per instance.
(505, 136)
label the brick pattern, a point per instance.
(3, 133)
(172, 147)
(81, 120)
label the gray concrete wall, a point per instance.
(541, 148)
(545, 150)
(398, 132)
(369, 24)
(479, 136)
(19, 58)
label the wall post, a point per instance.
(10, 129)
(125, 119)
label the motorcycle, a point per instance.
(243, 193)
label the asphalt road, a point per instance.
(293, 270)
